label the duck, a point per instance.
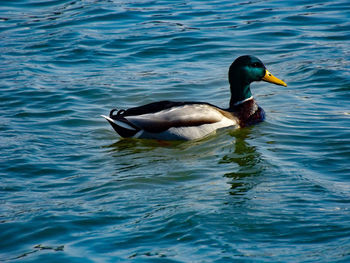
(192, 120)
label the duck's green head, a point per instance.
(243, 71)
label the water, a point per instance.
(71, 190)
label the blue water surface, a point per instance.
(72, 191)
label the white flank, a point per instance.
(119, 123)
(197, 132)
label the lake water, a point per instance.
(72, 191)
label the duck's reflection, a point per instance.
(248, 160)
(130, 145)
(242, 159)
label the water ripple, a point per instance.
(71, 190)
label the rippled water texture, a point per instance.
(72, 191)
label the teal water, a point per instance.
(72, 191)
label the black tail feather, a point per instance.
(119, 113)
(122, 131)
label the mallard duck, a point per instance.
(170, 120)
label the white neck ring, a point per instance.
(242, 101)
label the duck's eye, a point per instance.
(256, 65)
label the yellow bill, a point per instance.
(272, 79)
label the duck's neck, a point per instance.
(239, 93)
